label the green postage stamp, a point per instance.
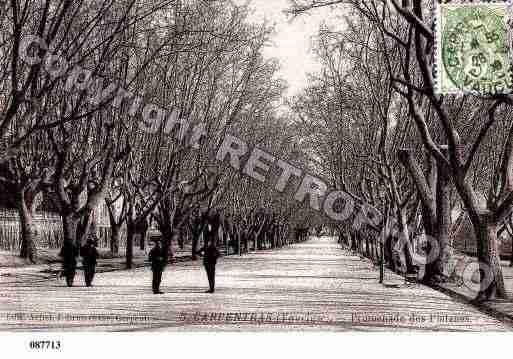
(472, 48)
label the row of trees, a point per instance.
(84, 143)
(382, 133)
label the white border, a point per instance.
(263, 346)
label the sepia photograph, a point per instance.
(255, 170)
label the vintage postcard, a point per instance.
(254, 166)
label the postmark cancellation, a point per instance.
(473, 53)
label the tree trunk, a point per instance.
(404, 236)
(142, 239)
(437, 224)
(28, 233)
(130, 232)
(236, 233)
(443, 219)
(492, 280)
(388, 253)
(167, 235)
(70, 224)
(367, 248)
(511, 254)
(195, 241)
(485, 230)
(352, 245)
(431, 232)
(114, 239)
(427, 187)
(182, 239)
(25, 205)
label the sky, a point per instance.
(292, 42)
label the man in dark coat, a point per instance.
(89, 259)
(210, 255)
(69, 254)
(158, 259)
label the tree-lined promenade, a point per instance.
(128, 106)
(437, 165)
(314, 285)
(85, 84)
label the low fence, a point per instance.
(50, 234)
(49, 231)
(465, 242)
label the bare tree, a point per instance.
(405, 30)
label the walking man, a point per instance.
(158, 259)
(210, 255)
(89, 259)
(69, 254)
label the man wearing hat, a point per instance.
(158, 259)
(210, 255)
(89, 255)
